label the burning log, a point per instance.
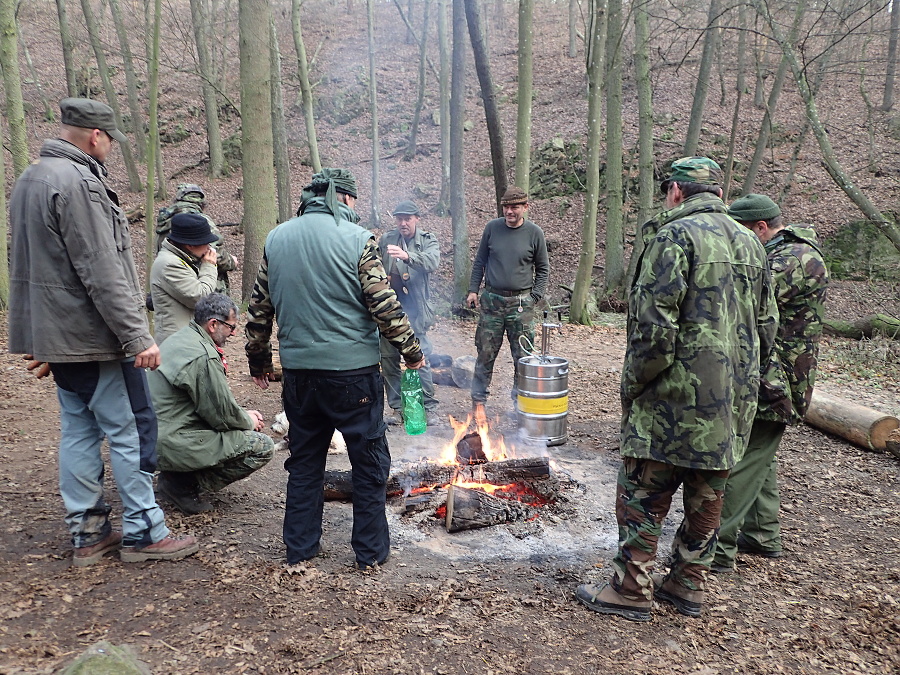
(469, 509)
(533, 472)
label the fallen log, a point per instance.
(858, 424)
(470, 509)
(866, 327)
(532, 471)
(893, 443)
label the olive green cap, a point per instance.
(89, 114)
(752, 208)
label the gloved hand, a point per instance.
(39, 368)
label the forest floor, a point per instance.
(496, 600)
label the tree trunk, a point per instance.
(444, 84)
(93, 29)
(491, 113)
(646, 164)
(12, 85)
(260, 214)
(888, 100)
(862, 426)
(305, 90)
(374, 218)
(200, 22)
(134, 106)
(49, 109)
(579, 309)
(525, 89)
(420, 98)
(4, 228)
(279, 132)
(153, 145)
(462, 265)
(834, 168)
(710, 45)
(615, 229)
(573, 28)
(68, 48)
(868, 326)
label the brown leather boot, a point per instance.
(686, 601)
(604, 599)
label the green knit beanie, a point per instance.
(752, 207)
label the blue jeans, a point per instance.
(316, 403)
(108, 399)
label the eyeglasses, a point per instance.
(231, 326)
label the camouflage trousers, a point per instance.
(254, 454)
(752, 501)
(500, 315)
(643, 498)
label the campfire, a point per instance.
(476, 482)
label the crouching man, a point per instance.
(206, 440)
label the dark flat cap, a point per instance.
(752, 208)
(90, 114)
(191, 229)
(513, 196)
(406, 208)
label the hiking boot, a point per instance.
(717, 568)
(88, 555)
(180, 489)
(170, 548)
(366, 566)
(744, 545)
(687, 602)
(633, 610)
(395, 419)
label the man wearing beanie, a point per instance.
(701, 322)
(321, 279)
(512, 261)
(411, 255)
(184, 272)
(76, 304)
(750, 513)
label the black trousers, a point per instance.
(316, 403)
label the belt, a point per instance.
(507, 294)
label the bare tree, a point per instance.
(444, 110)
(523, 120)
(279, 132)
(4, 226)
(12, 85)
(420, 97)
(710, 45)
(374, 216)
(646, 184)
(134, 106)
(615, 217)
(153, 145)
(573, 28)
(488, 95)
(305, 89)
(888, 100)
(200, 23)
(260, 214)
(68, 48)
(462, 265)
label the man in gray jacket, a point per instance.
(184, 272)
(76, 303)
(411, 255)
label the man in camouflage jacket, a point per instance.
(321, 277)
(750, 513)
(701, 321)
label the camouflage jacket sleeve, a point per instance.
(382, 304)
(225, 263)
(260, 316)
(654, 307)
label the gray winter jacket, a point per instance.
(74, 293)
(178, 281)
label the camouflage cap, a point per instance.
(90, 114)
(701, 170)
(513, 196)
(752, 208)
(189, 192)
(406, 208)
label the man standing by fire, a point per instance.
(330, 310)
(750, 513)
(513, 262)
(411, 255)
(701, 322)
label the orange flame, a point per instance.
(494, 448)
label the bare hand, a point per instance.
(397, 252)
(418, 364)
(262, 381)
(472, 300)
(39, 368)
(211, 256)
(149, 358)
(257, 418)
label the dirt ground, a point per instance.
(496, 600)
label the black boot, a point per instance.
(181, 489)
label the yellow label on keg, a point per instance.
(543, 406)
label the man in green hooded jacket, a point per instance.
(750, 514)
(701, 323)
